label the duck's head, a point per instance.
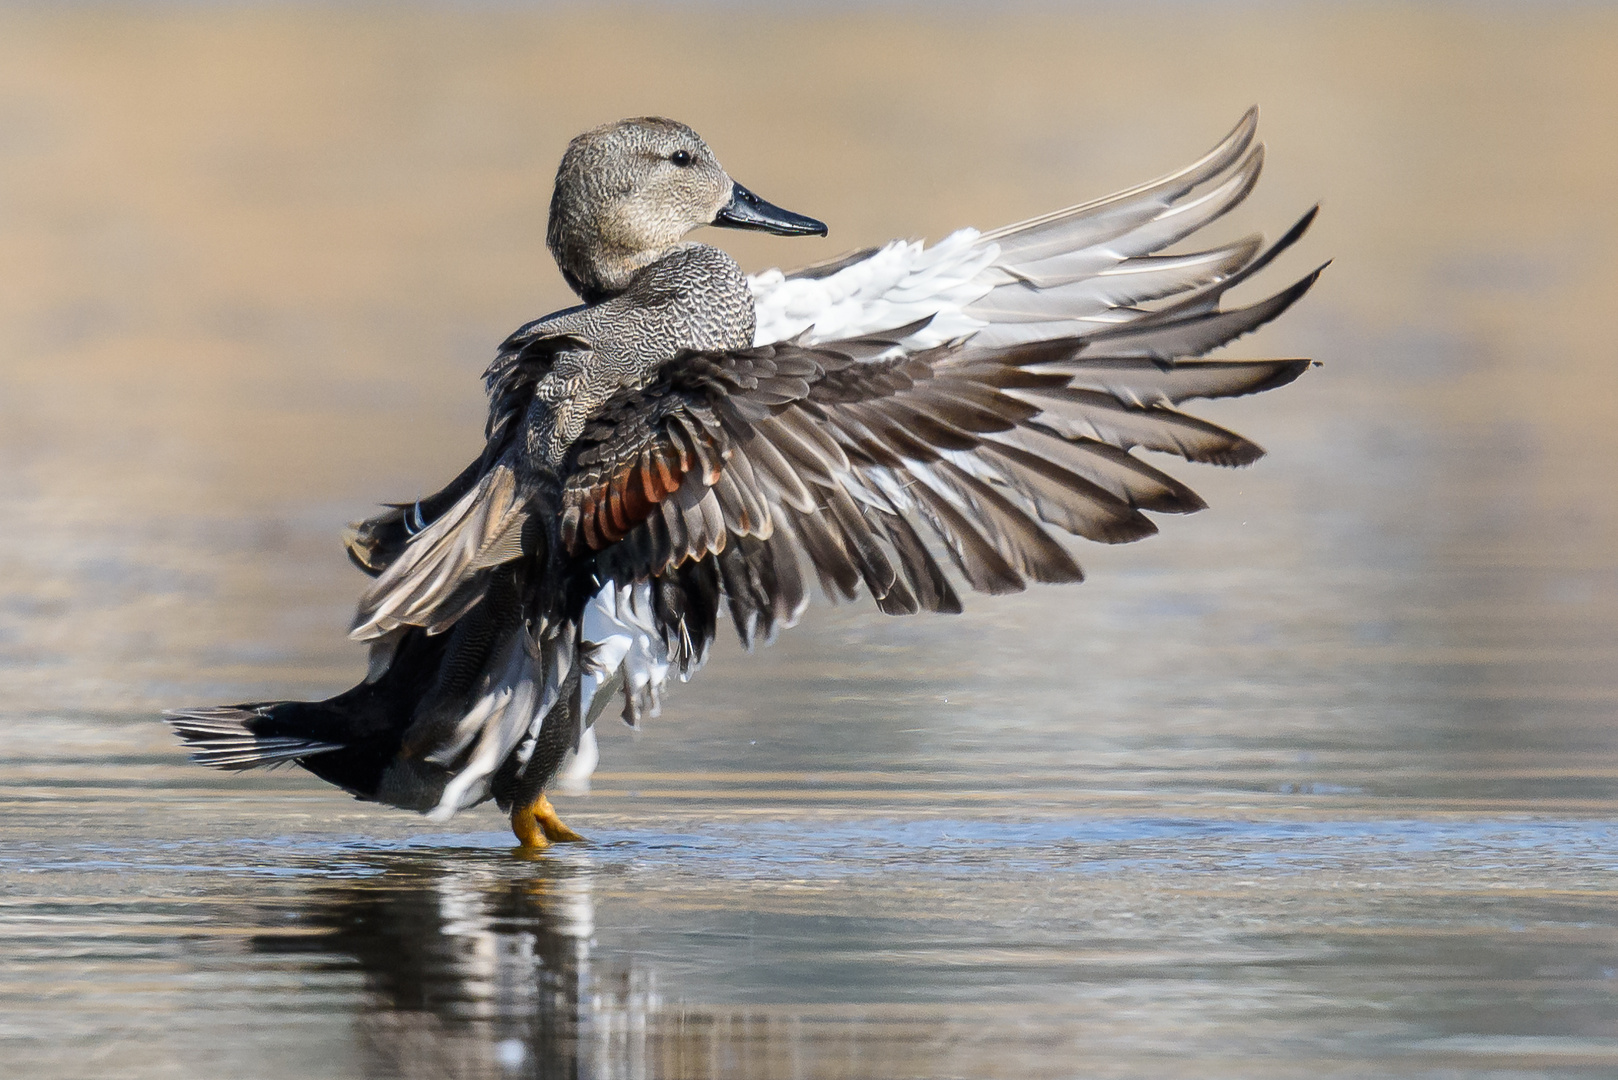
(628, 192)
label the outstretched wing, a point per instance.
(1063, 274)
(879, 465)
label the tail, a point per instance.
(238, 737)
(472, 657)
(348, 740)
(442, 722)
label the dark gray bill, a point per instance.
(747, 211)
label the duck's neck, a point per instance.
(597, 273)
(598, 250)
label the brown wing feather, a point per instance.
(852, 452)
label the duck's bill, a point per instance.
(747, 211)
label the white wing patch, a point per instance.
(900, 283)
(1062, 274)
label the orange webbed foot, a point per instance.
(537, 826)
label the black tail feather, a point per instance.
(244, 736)
(356, 740)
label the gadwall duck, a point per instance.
(686, 440)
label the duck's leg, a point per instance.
(555, 831)
(529, 834)
(533, 818)
(537, 825)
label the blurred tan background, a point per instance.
(255, 257)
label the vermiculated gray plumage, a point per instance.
(681, 445)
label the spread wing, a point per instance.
(878, 466)
(1089, 267)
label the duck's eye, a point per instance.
(681, 158)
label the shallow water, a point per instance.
(1323, 780)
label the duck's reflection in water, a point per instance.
(480, 969)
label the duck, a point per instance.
(690, 443)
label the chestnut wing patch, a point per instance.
(628, 464)
(676, 435)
